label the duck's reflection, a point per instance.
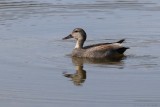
(79, 77)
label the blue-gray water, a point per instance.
(34, 59)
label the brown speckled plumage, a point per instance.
(102, 50)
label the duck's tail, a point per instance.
(120, 41)
(122, 50)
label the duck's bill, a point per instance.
(68, 37)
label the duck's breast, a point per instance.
(78, 52)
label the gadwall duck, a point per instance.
(101, 50)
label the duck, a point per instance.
(97, 51)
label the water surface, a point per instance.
(37, 71)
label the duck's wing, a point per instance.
(95, 45)
(107, 49)
(101, 44)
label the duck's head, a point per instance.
(78, 33)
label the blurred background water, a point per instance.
(34, 60)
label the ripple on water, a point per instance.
(12, 10)
(144, 61)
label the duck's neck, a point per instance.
(79, 44)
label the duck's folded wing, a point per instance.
(105, 47)
(104, 50)
(101, 44)
(95, 45)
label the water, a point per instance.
(36, 70)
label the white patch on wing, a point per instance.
(107, 53)
(117, 44)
